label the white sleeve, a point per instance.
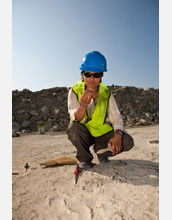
(114, 115)
(73, 105)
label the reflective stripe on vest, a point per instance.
(96, 125)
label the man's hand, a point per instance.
(84, 102)
(116, 143)
(86, 97)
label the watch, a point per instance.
(119, 132)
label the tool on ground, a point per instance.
(101, 151)
(15, 133)
(77, 171)
(60, 161)
(26, 167)
(154, 142)
(15, 173)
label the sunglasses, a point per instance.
(95, 75)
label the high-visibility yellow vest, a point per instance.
(96, 124)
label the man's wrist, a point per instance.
(85, 106)
(118, 131)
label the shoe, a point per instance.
(103, 160)
(86, 165)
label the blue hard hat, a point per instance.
(94, 62)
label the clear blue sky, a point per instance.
(51, 37)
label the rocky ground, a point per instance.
(49, 108)
(127, 188)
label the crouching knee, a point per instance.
(73, 130)
(73, 127)
(127, 142)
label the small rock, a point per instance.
(114, 177)
(15, 134)
(138, 123)
(16, 127)
(24, 100)
(25, 123)
(40, 122)
(21, 111)
(147, 114)
(33, 106)
(48, 126)
(57, 111)
(44, 110)
(55, 128)
(145, 122)
(34, 113)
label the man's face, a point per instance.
(91, 82)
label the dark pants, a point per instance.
(82, 140)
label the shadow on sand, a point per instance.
(136, 172)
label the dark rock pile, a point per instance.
(136, 105)
(48, 107)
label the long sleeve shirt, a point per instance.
(113, 118)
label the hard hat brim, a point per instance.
(90, 69)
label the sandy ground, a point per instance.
(127, 188)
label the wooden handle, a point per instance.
(60, 161)
(101, 151)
